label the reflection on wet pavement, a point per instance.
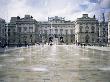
(57, 63)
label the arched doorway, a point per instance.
(61, 39)
(50, 39)
(87, 39)
(56, 36)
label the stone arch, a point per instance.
(80, 29)
(87, 38)
(86, 29)
(50, 39)
(61, 39)
(92, 29)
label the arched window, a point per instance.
(80, 29)
(66, 31)
(93, 29)
(87, 29)
(25, 29)
(93, 40)
(87, 38)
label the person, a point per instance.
(51, 44)
(84, 45)
(81, 45)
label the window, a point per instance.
(104, 34)
(86, 23)
(8, 33)
(55, 26)
(71, 31)
(45, 31)
(61, 30)
(80, 29)
(25, 29)
(80, 23)
(86, 29)
(87, 38)
(93, 29)
(25, 37)
(19, 29)
(50, 31)
(103, 29)
(104, 40)
(30, 36)
(8, 30)
(93, 39)
(5, 30)
(30, 29)
(56, 31)
(66, 31)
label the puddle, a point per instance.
(19, 59)
(32, 68)
(76, 54)
(38, 69)
(14, 60)
(48, 61)
(3, 55)
(105, 69)
(1, 65)
(85, 58)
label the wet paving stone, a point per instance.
(57, 63)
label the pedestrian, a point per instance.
(81, 45)
(84, 45)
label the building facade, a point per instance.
(22, 31)
(57, 28)
(87, 30)
(3, 33)
(103, 32)
(27, 31)
(12, 31)
(109, 30)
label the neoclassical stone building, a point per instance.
(12, 31)
(87, 30)
(3, 32)
(57, 28)
(109, 30)
(27, 31)
(103, 33)
(23, 31)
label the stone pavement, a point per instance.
(57, 63)
(1, 50)
(99, 48)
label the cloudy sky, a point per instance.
(41, 9)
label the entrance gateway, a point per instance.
(56, 40)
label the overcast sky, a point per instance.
(41, 9)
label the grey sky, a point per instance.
(41, 9)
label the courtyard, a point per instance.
(56, 63)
